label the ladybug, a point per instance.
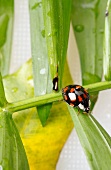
(76, 96)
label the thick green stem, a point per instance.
(53, 97)
(35, 101)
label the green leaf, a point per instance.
(3, 28)
(3, 100)
(88, 25)
(42, 144)
(14, 89)
(6, 28)
(107, 43)
(105, 134)
(48, 42)
(57, 23)
(42, 80)
(12, 153)
(66, 74)
(94, 139)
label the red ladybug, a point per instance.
(76, 96)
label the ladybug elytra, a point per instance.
(76, 96)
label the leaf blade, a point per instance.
(92, 137)
(42, 144)
(6, 27)
(50, 43)
(57, 23)
(12, 153)
(42, 80)
(107, 44)
(3, 100)
(88, 25)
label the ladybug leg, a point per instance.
(85, 113)
(89, 112)
(87, 89)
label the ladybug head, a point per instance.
(87, 106)
(87, 109)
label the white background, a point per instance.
(72, 156)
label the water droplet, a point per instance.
(31, 83)
(39, 4)
(53, 33)
(49, 34)
(4, 109)
(42, 71)
(43, 33)
(14, 89)
(38, 58)
(79, 28)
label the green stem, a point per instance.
(53, 97)
(33, 102)
(98, 86)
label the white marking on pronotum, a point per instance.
(72, 96)
(81, 107)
